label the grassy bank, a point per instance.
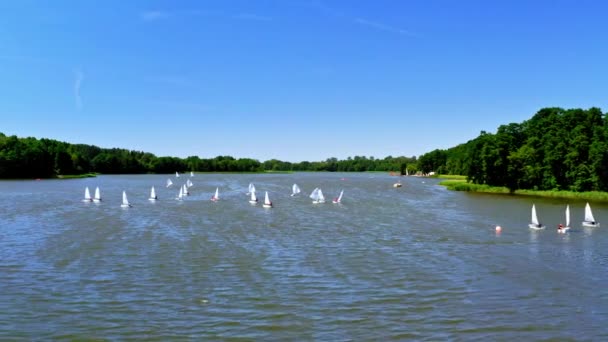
(84, 175)
(457, 184)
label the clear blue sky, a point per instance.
(293, 79)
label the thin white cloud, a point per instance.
(154, 15)
(79, 78)
(379, 26)
(382, 27)
(158, 15)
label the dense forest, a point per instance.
(556, 149)
(46, 158)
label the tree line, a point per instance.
(557, 149)
(47, 158)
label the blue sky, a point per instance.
(293, 79)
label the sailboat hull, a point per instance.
(535, 226)
(590, 224)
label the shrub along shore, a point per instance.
(459, 183)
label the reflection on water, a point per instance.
(411, 263)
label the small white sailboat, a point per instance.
(397, 185)
(339, 198)
(153, 196)
(191, 174)
(253, 199)
(216, 196)
(589, 219)
(251, 189)
(169, 183)
(176, 174)
(267, 202)
(295, 189)
(189, 183)
(185, 190)
(125, 201)
(180, 195)
(317, 196)
(97, 197)
(561, 228)
(534, 223)
(87, 195)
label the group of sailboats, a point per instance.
(589, 220)
(88, 198)
(316, 195)
(253, 199)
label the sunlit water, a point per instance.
(417, 262)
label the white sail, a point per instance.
(87, 195)
(251, 188)
(169, 183)
(317, 196)
(180, 196)
(534, 216)
(588, 214)
(534, 223)
(254, 198)
(176, 174)
(321, 197)
(189, 183)
(185, 190)
(567, 216)
(97, 197)
(589, 219)
(339, 198)
(153, 195)
(267, 203)
(295, 189)
(191, 174)
(125, 201)
(216, 196)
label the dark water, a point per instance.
(417, 262)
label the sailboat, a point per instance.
(176, 174)
(180, 196)
(191, 174)
(267, 202)
(189, 183)
(339, 198)
(589, 219)
(535, 224)
(169, 183)
(153, 196)
(561, 228)
(317, 196)
(251, 188)
(97, 197)
(185, 190)
(253, 199)
(87, 195)
(125, 201)
(216, 197)
(295, 189)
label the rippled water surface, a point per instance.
(416, 262)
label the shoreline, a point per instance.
(459, 183)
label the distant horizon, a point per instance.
(293, 80)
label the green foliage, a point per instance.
(555, 150)
(44, 158)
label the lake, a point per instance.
(417, 262)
